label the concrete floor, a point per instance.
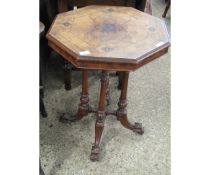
(65, 148)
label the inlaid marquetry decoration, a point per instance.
(119, 38)
(107, 38)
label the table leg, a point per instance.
(122, 112)
(84, 102)
(99, 125)
(67, 75)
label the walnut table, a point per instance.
(107, 38)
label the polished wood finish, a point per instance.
(65, 5)
(102, 112)
(99, 125)
(107, 38)
(122, 112)
(84, 102)
(95, 37)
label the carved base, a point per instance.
(138, 128)
(102, 112)
(95, 153)
(82, 111)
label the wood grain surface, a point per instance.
(108, 34)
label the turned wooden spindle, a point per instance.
(84, 102)
(116, 41)
(122, 112)
(99, 125)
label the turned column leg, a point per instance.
(84, 102)
(99, 125)
(67, 75)
(122, 112)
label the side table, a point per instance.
(107, 38)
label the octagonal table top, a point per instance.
(108, 37)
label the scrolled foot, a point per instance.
(95, 153)
(138, 128)
(66, 118)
